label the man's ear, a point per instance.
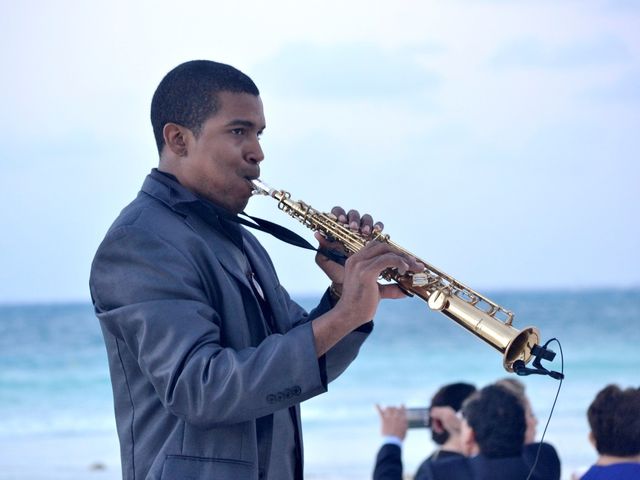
(175, 138)
(592, 439)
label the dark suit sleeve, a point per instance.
(149, 296)
(388, 463)
(548, 466)
(425, 471)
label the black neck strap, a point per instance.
(285, 235)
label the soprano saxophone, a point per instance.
(443, 293)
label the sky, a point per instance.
(497, 140)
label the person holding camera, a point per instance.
(491, 433)
(396, 420)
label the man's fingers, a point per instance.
(436, 425)
(366, 224)
(373, 249)
(340, 214)
(354, 220)
(385, 254)
(391, 292)
(326, 243)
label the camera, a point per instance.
(418, 417)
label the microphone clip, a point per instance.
(540, 353)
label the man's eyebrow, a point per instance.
(242, 123)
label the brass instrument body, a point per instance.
(484, 318)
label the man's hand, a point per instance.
(362, 224)
(360, 291)
(445, 419)
(393, 421)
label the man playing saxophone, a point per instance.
(209, 356)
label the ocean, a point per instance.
(56, 413)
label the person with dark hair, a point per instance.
(209, 356)
(614, 419)
(394, 427)
(491, 433)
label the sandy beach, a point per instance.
(95, 456)
(70, 457)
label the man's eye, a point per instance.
(238, 131)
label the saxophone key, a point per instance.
(438, 300)
(419, 279)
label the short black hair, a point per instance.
(497, 418)
(188, 94)
(614, 418)
(450, 395)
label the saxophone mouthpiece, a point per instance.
(260, 188)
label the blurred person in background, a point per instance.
(614, 419)
(491, 433)
(394, 427)
(518, 389)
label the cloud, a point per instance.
(623, 5)
(624, 90)
(530, 52)
(347, 71)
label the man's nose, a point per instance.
(255, 155)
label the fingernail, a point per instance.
(366, 230)
(353, 225)
(342, 219)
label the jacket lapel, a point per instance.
(187, 205)
(269, 282)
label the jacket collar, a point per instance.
(166, 188)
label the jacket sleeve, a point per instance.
(388, 463)
(339, 357)
(149, 295)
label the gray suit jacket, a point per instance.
(196, 372)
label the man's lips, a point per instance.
(249, 181)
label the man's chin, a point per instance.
(239, 208)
